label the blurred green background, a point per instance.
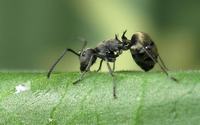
(33, 33)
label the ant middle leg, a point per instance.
(100, 65)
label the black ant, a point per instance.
(141, 46)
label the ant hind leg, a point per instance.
(113, 66)
(114, 84)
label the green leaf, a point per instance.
(142, 99)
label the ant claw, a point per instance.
(75, 82)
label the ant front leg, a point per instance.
(81, 77)
(84, 72)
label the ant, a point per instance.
(141, 46)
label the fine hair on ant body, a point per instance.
(141, 46)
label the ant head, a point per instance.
(85, 57)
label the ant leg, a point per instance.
(55, 63)
(100, 65)
(113, 66)
(81, 77)
(162, 62)
(111, 73)
(109, 68)
(161, 66)
(87, 69)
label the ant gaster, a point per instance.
(141, 46)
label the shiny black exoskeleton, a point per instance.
(141, 46)
(143, 50)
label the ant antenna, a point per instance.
(63, 54)
(161, 66)
(84, 43)
(58, 60)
